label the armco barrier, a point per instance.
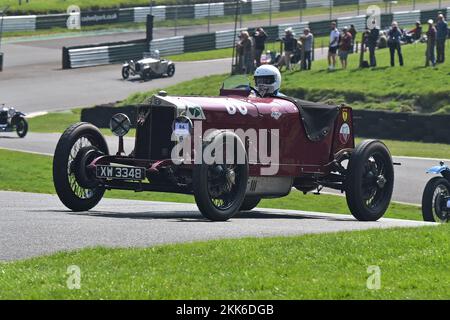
(88, 57)
(359, 22)
(204, 10)
(337, 3)
(286, 5)
(122, 52)
(320, 28)
(140, 13)
(21, 23)
(297, 28)
(200, 42)
(51, 21)
(168, 46)
(367, 123)
(317, 3)
(407, 17)
(226, 39)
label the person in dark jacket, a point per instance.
(431, 43)
(394, 44)
(353, 32)
(372, 40)
(260, 38)
(441, 37)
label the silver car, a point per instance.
(151, 66)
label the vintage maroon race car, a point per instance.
(229, 152)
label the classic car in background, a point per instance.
(151, 66)
(12, 120)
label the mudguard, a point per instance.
(438, 169)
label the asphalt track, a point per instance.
(36, 224)
(410, 177)
(32, 79)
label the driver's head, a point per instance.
(267, 80)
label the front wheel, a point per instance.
(22, 127)
(170, 70)
(125, 73)
(220, 186)
(435, 200)
(75, 185)
(370, 180)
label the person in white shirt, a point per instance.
(334, 43)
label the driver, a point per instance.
(268, 81)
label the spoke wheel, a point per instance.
(22, 127)
(370, 181)
(219, 188)
(76, 187)
(434, 200)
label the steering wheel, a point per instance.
(243, 86)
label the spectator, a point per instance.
(441, 36)
(345, 44)
(431, 43)
(353, 32)
(290, 45)
(307, 40)
(416, 33)
(372, 41)
(334, 44)
(260, 38)
(394, 44)
(245, 50)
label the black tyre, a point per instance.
(125, 73)
(76, 186)
(249, 203)
(219, 189)
(170, 70)
(434, 200)
(370, 180)
(21, 127)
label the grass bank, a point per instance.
(325, 266)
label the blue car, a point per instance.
(436, 196)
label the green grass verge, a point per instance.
(18, 167)
(326, 266)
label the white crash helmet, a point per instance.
(267, 80)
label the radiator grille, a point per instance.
(153, 133)
(3, 117)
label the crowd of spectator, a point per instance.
(300, 50)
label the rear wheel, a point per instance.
(249, 203)
(435, 200)
(22, 127)
(75, 185)
(219, 187)
(370, 181)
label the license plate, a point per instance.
(123, 173)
